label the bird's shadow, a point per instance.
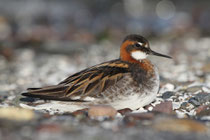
(28, 99)
(34, 99)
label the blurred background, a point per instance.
(42, 41)
(38, 21)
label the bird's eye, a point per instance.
(137, 45)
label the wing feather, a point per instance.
(89, 82)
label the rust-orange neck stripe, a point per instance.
(126, 56)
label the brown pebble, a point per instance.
(164, 107)
(201, 108)
(80, 112)
(203, 111)
(179, 125)
(125, 111)
(47, 115)
(102, 111)
(131, 118)
(141, 116)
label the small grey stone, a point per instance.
(202, 97)
(194, 89)
(167, 94)
(194, 102)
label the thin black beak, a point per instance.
(158, 54)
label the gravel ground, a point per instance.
(181, 110)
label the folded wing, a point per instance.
(90, 82)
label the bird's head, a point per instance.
(136, 48)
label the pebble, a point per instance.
(102, 111)
(80, 114)
(131, 119)
(203, 111)
(17, 114)
(167, 87)
(180, 114)
(164, 107)
(199, 99)
(194, 89)
(167, 94)
(179, 125)
(125, 111)
(201, 108)
(203, 97)
(205, 89)
(149, 107)
(194, 102)
(141, 116)
(176, 105)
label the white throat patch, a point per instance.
(138, 55)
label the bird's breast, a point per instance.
(136, 90)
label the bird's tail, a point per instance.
(56, 92)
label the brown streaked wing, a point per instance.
(89, 82)
(95, 79)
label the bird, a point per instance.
(130, 81)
